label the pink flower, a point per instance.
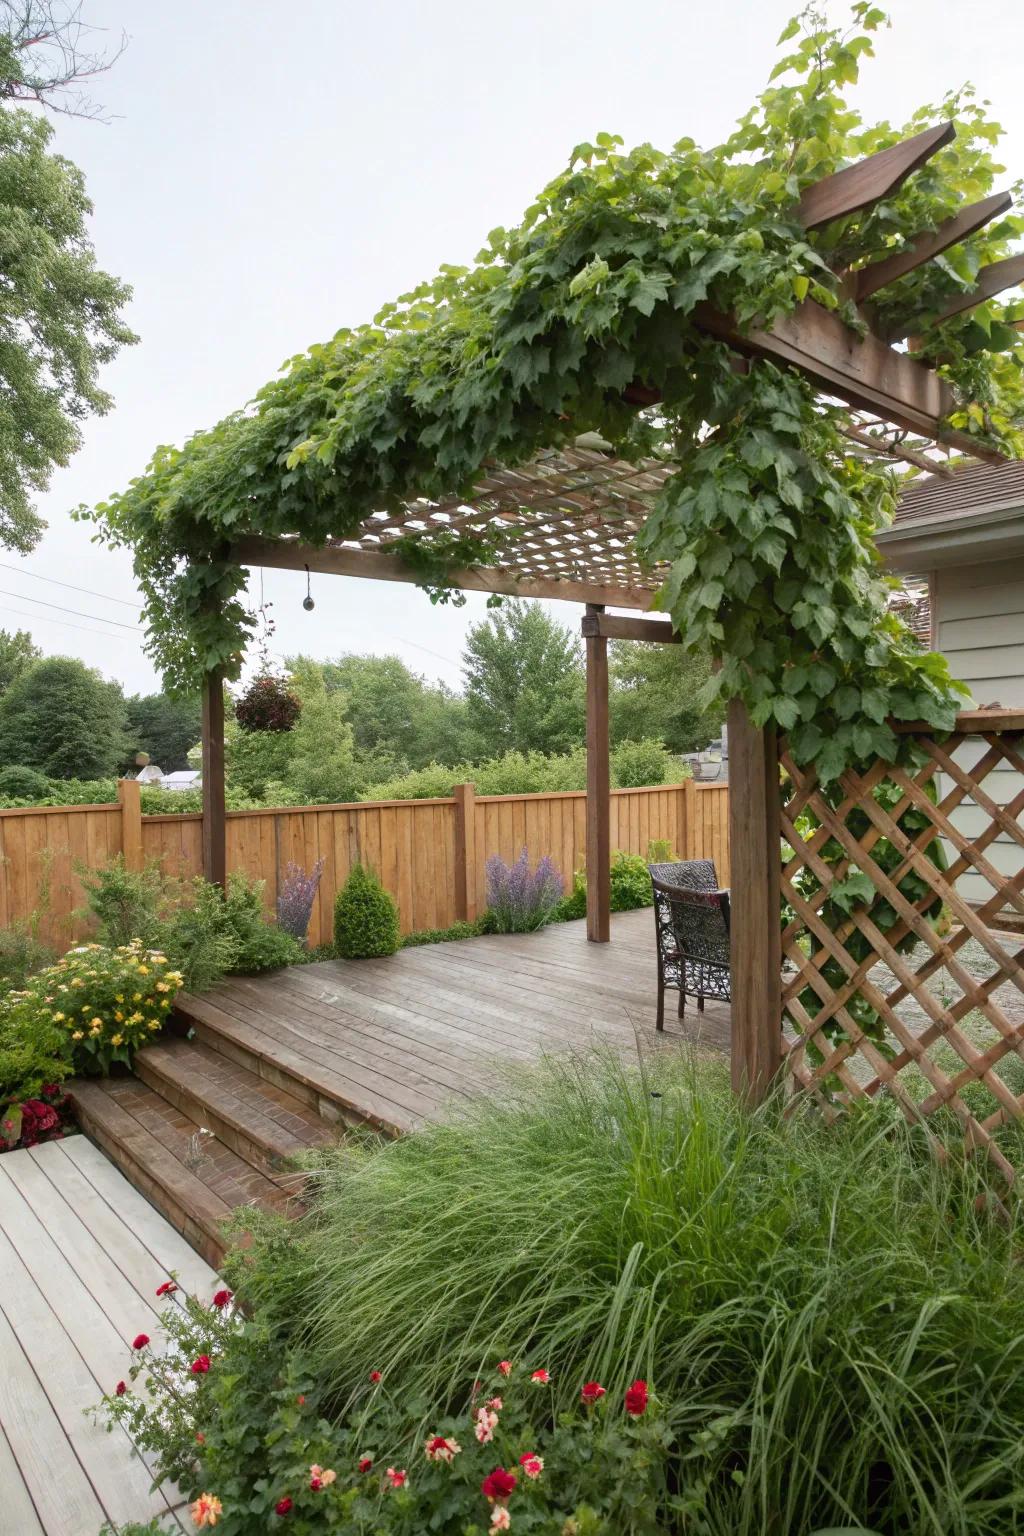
(365, 1463)
(495, 1403)
(500, 1518)
(121, 1389)
(505, 1367)
(532, 1465)
(167, 1289)
(221, 1298)
(283, 1506)
(441, 1449)
(375, 1377)
(540, 1378)
(485, 1425)
(201, 1365)
(591, 1391)
(498, 1484)
(397, 1479)
(140, 1341)
(206, 1510)
(636, 1399)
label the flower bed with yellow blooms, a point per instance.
(105, 1002)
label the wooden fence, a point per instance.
(902, 976)
(430, 854)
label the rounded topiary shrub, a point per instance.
(17, 783)
(365, 918)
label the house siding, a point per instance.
(979, 627)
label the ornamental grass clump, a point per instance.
(845, 1309)
(521, 899)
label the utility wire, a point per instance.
(44, 618)
(76, 611)
(86, 591)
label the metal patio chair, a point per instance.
(691, 925)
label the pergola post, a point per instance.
(754, 854)
(599, 804)
(214, 815)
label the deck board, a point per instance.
(405, 1039)
(81, 1254)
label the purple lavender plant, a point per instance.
(298, 893)
(519, 899)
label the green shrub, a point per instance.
(659, 851)
(843, 1308)
(23, 784)
(21, 953)
(637, 763)
(365, 918)
(210, 934)
(630, 882)
(33, 1052)
(127, 904)
(446, 935)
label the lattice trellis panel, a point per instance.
(903, 985)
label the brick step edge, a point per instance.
(266, 1148)
(185, 1201)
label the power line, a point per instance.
(63, 624)
(86, 591)
(76, 611)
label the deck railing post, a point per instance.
(214, 812)
(465, 851)
(599, 804)
(754, 841)
(130, 801)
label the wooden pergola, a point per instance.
(564, 525)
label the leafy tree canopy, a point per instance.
(392, 710)
(656, 691)
(16, 653)
(767, 521)
(524, 681)
(164, 726)
(63, 718)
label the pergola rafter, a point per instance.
(564, 526)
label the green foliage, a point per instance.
(60, 319)
(394, 711)
(17, 652)
(655, 691)
(61, 717)
(101, 1004)
(767, 522)
(252, 1427)
(21, 953)
(164, 726)
(67, 792)
(126, 904)
(636, 763)
(323, 767)
(365, 917)
(445, 935)
(528, 773)
(28, 784)
(524, 681)
(33, 1051)
(834, 1304)
(659, 851)
(209, 934)
(255, 759)
(630, 888)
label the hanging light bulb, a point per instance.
(307, 601)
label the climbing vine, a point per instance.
(767, 520)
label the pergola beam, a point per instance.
(876, 176)
(373, 565)
(968, 221)
(611, 626)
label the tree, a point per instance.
(524, 681)
(165, 727)
(44, 57)
(393, 710)
(63, 718)
(16, 653)
(60, 314)
(323, 767)
(654, 693)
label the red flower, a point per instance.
(200, 1437)
(636, 1399)
(201, 1366)
(283, 1506)
(167, 1289)
(140, 1341)
(591, 1391)
(505, 1367)
(315, 1484)
(121, 1389)
(301, 1400)
(375, 1377)
(365, 1463)
(498, 1484)
(221, 1298)
(541, 1378)
(397, 1479)
(532, 1465)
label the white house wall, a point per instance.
(979, 626)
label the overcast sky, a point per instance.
(273, 172)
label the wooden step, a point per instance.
(186, 1172)
(260, 1122)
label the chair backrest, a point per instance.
(690, 874)
(692, 922)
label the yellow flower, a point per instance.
(154, 1024)
(93, 1033)
(143, 970)
(96, 1023)
(119, 1016)
(58, 1018)
(76, 981)
(137, 997)
(162, 986)
(165, 1002)
(135, 1018)
(119, 998)
(77, 1035)
(117, 1039)
(86, 1009)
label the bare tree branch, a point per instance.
(46, 54)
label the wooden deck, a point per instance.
(81, 1255)
(399, 1041)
